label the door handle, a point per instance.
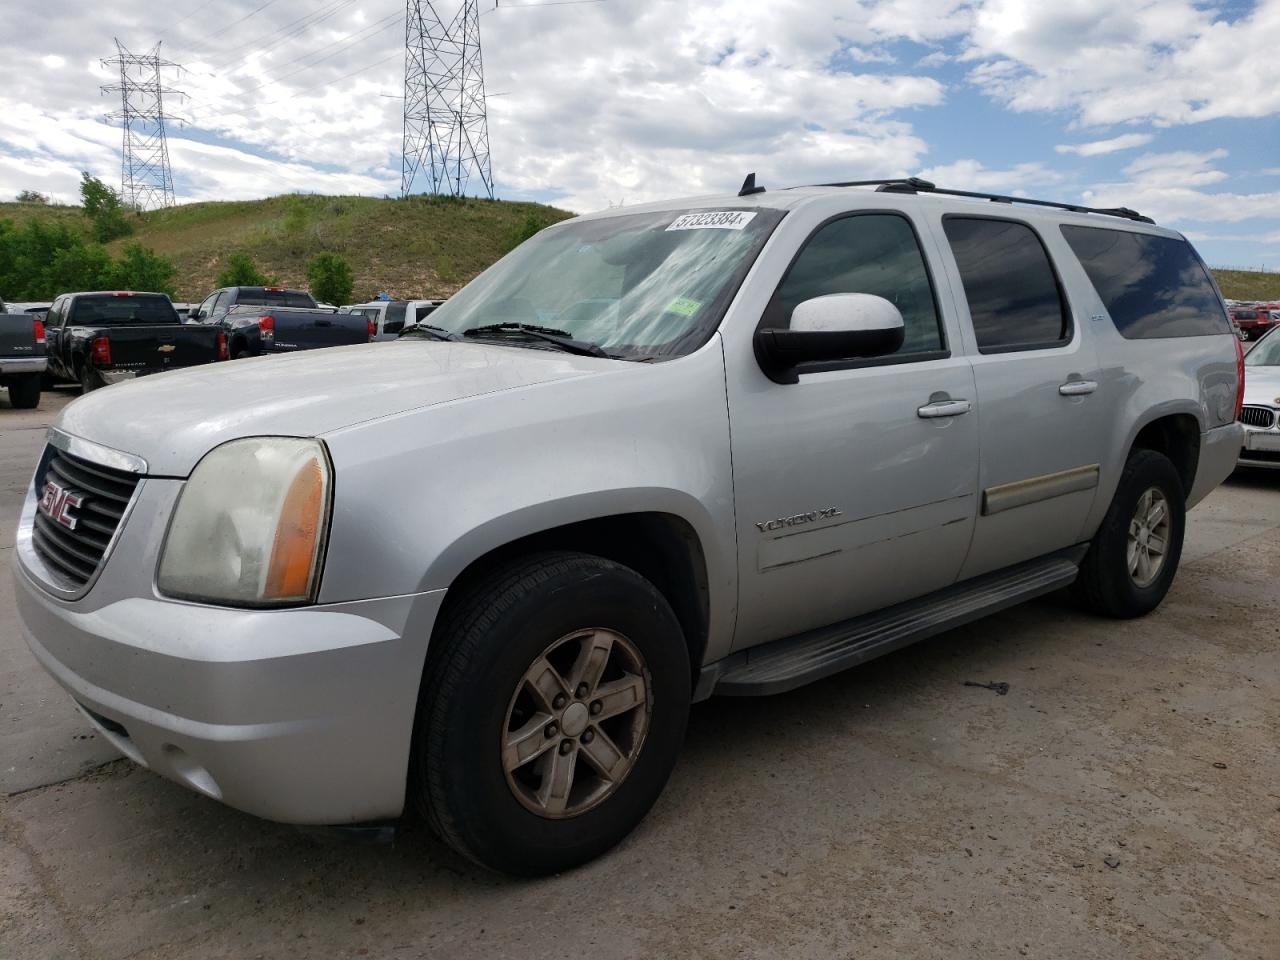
(944, 408)
(1078, 388)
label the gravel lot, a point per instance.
(1123, 800)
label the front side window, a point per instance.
(865, 253)
(1265, 354)
(640, 286)
(1013, 294)
(1152, 286)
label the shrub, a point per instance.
(331, 278)
(143, 269)
(103, 208)
(532, 224)
(31, 196)
(239, 270)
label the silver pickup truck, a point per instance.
(718, 446)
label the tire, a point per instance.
(1106, 584)
(24, 392)
(89, 380)
(476, 682)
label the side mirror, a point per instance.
(194, 315)
(838, 326)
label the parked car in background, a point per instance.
(1254, 319)
(1261, 411)
(22, 356)
(34, 308)
(393, 316)
(260, 320)
(108, 336)
(727, 445)
(183, 310)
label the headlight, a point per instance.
(250, 524)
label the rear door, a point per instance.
(1037, 373)
(855, 487)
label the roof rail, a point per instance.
(917, 185)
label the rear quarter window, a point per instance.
(1152, 286)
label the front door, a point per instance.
(856, 487)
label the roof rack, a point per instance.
(918, 185)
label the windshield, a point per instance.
(1265, 354)
(107, 310)
(651, 285)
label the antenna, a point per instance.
(446, 122)
(146, 179)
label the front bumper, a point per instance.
(302, 715)
(11, 366)
(1261, 445)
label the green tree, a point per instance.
(143, 269)
(80, 266)
(239, 270)
(103, 208)
(32, 196)
(331, 278)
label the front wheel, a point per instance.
(1134, 555)
(552, 713)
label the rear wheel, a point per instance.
(1134, 555)
(24, 391)
(552, 714)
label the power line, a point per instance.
(194, 10)
(235, 23)
(381, 25)
(286, 33)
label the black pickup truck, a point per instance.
(261, 320)
(22, 357)
(104, 337)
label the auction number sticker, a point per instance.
(713, 220)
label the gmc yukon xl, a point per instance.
(719, 446)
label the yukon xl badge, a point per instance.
(56, 503)
(826, 513)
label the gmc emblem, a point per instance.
(56, 503)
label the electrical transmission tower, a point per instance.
(146, 179)
(446, 123)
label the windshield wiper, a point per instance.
(561, 338)
(427, 330)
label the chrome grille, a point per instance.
(1257, 417)
(72, 534)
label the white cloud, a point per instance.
(1096, 148)
(1164, 61)
(972, 175)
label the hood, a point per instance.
(173, 419)
(1262, 385)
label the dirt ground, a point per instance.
(1123, 800)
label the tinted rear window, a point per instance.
(274, 298)
(1152, 286)
(108, 311)
(1013, 293)
(1245, 314)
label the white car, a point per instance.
(392, 316)
(1261, 411)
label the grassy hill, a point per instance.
(411, 247)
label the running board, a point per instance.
(792, 662)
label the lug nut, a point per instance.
(566, 747)
(559, 701)
(551, 730)
(588, 736)
(596, 707)
(583, 690)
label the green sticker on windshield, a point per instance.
(684, 306)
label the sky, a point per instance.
(1171, 107)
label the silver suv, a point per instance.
(725, 445)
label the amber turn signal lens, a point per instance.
(297, 540)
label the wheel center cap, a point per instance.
(575, 719)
